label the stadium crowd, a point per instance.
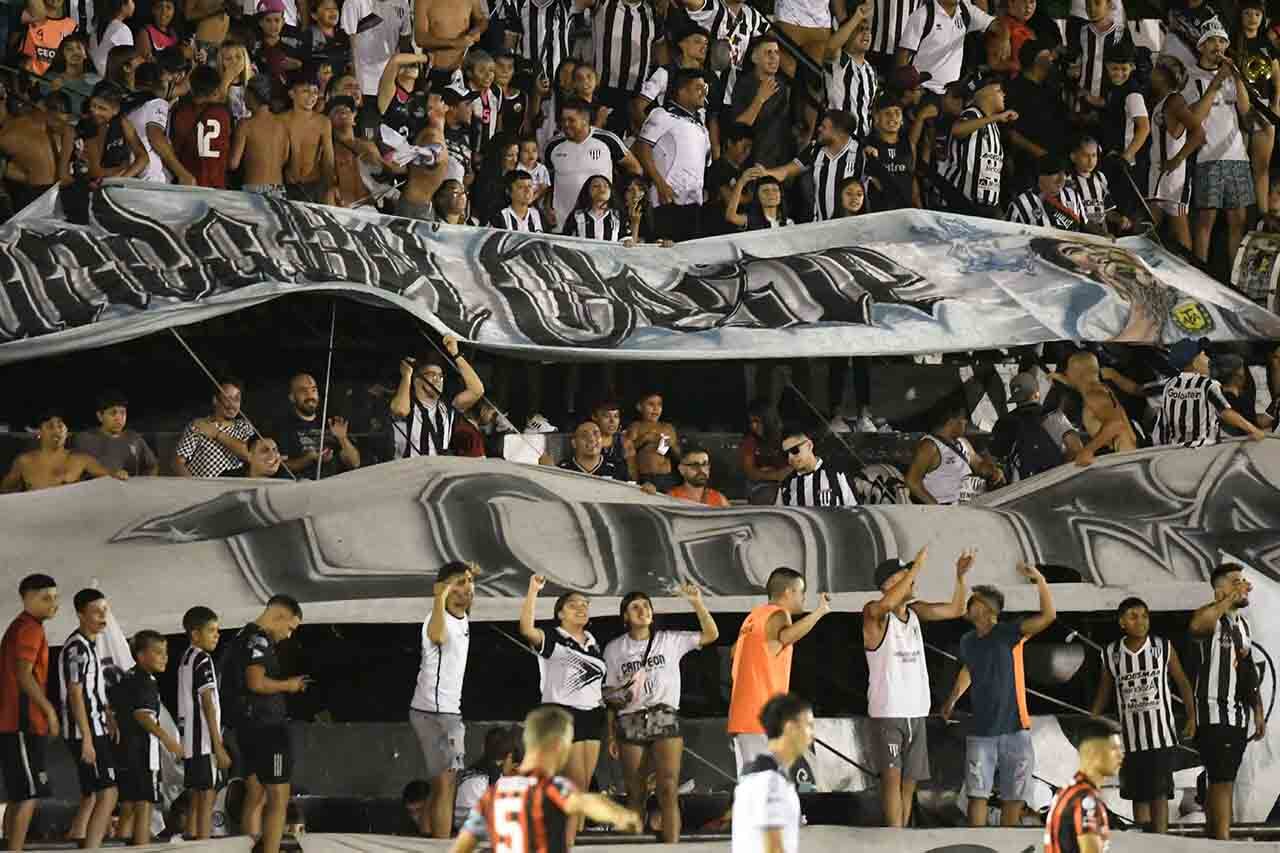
(640, 121)
(623, 696)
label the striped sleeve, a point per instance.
(1213, 393)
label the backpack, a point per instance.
(1034, 450)
(929, 14)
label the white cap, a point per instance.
(1212, 29)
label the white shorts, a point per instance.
(747, 748)
(804, 13)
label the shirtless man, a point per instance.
(38, 144)
(348, 152)
(424, 180)
(655, 443)
(261, 143)
(1103, 417)
(308, 176)
(52, 464)
(445, 29)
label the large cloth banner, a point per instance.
(364, 546)
(894, 283)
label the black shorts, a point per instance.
(23, 768)
(100, 775)
(139, 786)
(1147, 775)
(200, 773)
(438, 79)
(587, 725)
(1221, 749)
(266, 752)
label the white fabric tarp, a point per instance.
(364, 546)
(900, 282)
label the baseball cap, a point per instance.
(980, 81)
(1185, 351)
(887, 569)
(1052, 164)
(906, 78)
(1023, 387)
(268, 7)
(1121, 51)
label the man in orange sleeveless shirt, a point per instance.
(762, 658)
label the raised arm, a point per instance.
(707, 623)
(532, 634)
(473, 390)
(1204, 619)
(896, 595)
(1114, 424)
(782, 635)
(953, 609)
(436, 632)
(1033, 625)
(387, 82)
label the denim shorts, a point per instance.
(1010, 759)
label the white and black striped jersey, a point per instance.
(765, 800)
(509, 220)
(737, 28)
(545, 28)
(890, 16)
(79, 664)
(196, 677)
(586, 223)
(974, 163)
(1190, 411)
(1094, 193)
(427, 431)
(1143, 699)
(825, 485)
(1092, 44)
(1218, 680)
(623, 35)
(571, 673)
(1030, 208)
(829, 169)
(852, 86)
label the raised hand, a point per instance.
(824, 602)
(536, 583)
(965, 562)
(338, 426)
(450, 345)
(692, 593)
(1029, 572)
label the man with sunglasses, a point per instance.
(695, 468)
(812, 481)
(422, 422)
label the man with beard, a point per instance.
(436, 709)
(1226, 691)
(695, 468)
(301, 434)
(51, 463)
(421, 420)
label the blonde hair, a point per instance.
(247, 73)
(546, 725)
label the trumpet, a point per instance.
(1256, 68)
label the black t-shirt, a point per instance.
(297, 436)
(1039, 109)
(609, 466)
(720, 174)
(137, 691)
(407, 113)
(242, 707)
(894, 172)
(1020, 441)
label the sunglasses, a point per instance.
(796, 448)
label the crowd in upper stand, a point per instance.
(658, 120)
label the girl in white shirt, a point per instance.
(644, 700)
(111, 31)
(572, 669)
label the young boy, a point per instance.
(261, 143)
(199, 718)
(350, 188)
(308, 176)
(655, 442)
(1091, 186)
(528, 160)
(115, 447)
(519, 215)
(1138, 668)
(87, 722)
(850, 80)
(614, 446)
(136, 702)
(894, 177)
(201, 127)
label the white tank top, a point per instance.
(899, 685)
(953, 481)
(440, 676)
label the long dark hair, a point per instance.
(488, 194)
(782, 198)
(584, 201)
(59, 64)
(440, 200)
(840, 188)
(106, 14)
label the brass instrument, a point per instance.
(1256, 68)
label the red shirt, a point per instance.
(1077, 810)
(202, 140)
(24, 641)
(1019, 34)
(710, 497)
(466, 440)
